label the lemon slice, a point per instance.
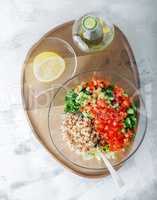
(48, 66)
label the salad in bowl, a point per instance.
(97, 111)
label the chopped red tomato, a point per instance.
(91, 85)
(101, 103)
(109, 121)
(118, 91)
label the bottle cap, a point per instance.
(89, 22)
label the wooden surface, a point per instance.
(117, 57)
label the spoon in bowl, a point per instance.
(116, 178)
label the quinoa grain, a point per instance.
(79, 133)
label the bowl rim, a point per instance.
(114, 165)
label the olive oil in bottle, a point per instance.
(92, 33)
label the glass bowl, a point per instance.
(56, 111)
(63, 49)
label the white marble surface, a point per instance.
(27, 171)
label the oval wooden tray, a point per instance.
(118, 57)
